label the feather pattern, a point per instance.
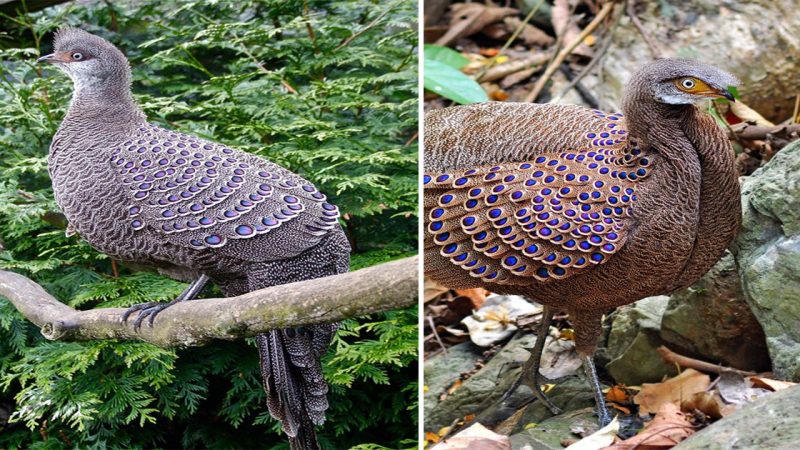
(201, 194)
(546, 218)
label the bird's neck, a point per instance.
(653, 124)
(109, 103)
(719, 214)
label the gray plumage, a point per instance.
(188, 206)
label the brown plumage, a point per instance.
(578, 209)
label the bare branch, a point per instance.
(374, 289)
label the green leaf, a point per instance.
(450, 83)
(445, 55)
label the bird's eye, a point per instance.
(687, 83)
(77, 56)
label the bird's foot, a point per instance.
(147, 311)
(603, 416)
(535, 386)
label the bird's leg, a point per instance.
(530, 375)
(151, 309)
(599, 398)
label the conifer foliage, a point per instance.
(326, 88)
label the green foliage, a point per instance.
(326, 88)
(442, 76)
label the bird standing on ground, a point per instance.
(188, 206)
(578, 209)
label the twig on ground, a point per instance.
(436, 334)
(374, 289)
(686, 362)
(754, 132)
(654, 50)
(585, 93)
(562, 55)
(596, 59)
(504, 70)
(511, 39)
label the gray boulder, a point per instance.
(767, 252)
(633, 340)
(711, 320)
(771, 422)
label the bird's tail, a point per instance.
(292, 376)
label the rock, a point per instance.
(481, 387)
(573, 395)
(711, 320)
(443, 370)
(767, 253)
(549, 434)
(480, 394)
(769, 422)
(633, 340)
(764, 57)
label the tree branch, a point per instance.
(374, 289)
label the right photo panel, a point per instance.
(611, 230)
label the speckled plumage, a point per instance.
(188, 206)
(651, 199)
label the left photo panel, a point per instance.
(208, 224)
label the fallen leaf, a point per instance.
(667, 428)
(617, 393)
(568, 334)
(736, 389)
(748, 114)
(599, 439)
(433, 290)
(476, 437)
(431, 437)
(620, 408)
(769, 383)
(477, 296)
(453, 387)
(530, 35)
(708, 403)
(471, 18)
(673, 391)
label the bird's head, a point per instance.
(90, 61)
(682, 81)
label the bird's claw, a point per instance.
(147, 311)
(534, 384)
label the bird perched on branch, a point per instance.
(189, 206)
(578, 209)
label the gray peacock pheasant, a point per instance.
(579, 209)
(196, 210)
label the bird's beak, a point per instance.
(53, 58)
(725, 93)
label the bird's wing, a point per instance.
(547, 218)
(199, 194)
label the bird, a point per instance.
(195, 210)
(579, 209)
